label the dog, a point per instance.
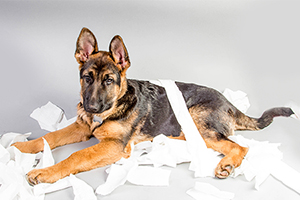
(119, 111)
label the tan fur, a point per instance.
(76, 132)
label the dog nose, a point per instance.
(94, 108)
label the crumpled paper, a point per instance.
(14, 165)
(162, 151)
(51, 118)
(9, 138)
(81, 189)
(238, 98)
(262, 160)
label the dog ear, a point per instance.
(119, 52)
(85, 46)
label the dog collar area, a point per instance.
(97, 119)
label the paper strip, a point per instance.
(117, 176)
(44, 188)
(81, 189)
(206, 191)
(287, 175)
(201, 156)
(4, 155)
(47, 159)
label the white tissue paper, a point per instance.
(50, 117)
(14, 165)
(259, 152)
(206, 191)
(162, 151)
(47, 159)
(117, 177)
(81, 189)
(238, 98)
(262, 160)
(10, 138)
(131, 171)
(202, 158)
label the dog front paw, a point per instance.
(37, 176)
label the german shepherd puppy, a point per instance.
(119, 111)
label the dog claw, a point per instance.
(31, 181)
(223, 173)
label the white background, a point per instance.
(253, 46)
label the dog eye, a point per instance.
(109, 81)
(88, 79)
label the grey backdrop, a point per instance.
(251, 46)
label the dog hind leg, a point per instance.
(233, 154)
(215, 132)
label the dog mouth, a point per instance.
(96, 108)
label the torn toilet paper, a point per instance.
(203, 159)
(51, 118)
(264, 159)
(206, 191)
(238, 98)
(14, 166)
(81, 189)
(47, 158)
(9, 138)
(259, 152)
(162, 151)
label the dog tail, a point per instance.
(244, 122)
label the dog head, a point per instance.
(102, 73)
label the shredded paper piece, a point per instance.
(238, 98)
(206, 191)
(51, 118)
(14, 166)
(262, 160)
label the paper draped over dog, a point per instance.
(263, 159)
